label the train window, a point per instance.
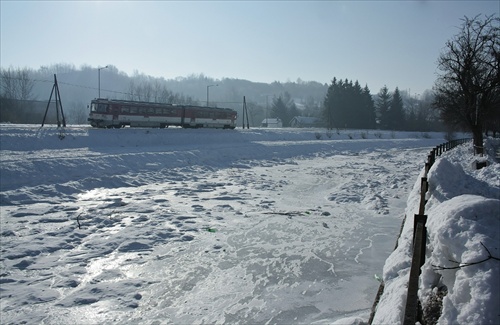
(159, 111)
(133, 110)
(125, 110)
(151, 110)
(100, 108)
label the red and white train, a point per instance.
(111, 113)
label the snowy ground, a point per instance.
(463, 227)
(199, 226)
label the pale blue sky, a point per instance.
(393, 43)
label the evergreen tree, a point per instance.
(396, 115)
(411, 120)
(356, 103)
(284, 108)
(292, 112)
(279, 109)
(329, 103)
(383, 104)
(368, 116)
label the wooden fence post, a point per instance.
(424, 187)
(419, 241)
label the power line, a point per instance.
(74, 85)
(107, 90)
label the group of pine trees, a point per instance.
(348, 105)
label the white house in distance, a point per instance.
(272, 123)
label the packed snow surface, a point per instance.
(157, 226)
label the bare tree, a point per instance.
(156, 90)
(131, 90)
(467, 89)
(16, 91)
(9, 84)
(25, 84)
(147, 91)
(17, 84)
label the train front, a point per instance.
(99, 113)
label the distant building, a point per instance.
(272, 123)
(304, 122)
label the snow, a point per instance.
(268, 226)
(463, 210)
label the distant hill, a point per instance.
(78, 86)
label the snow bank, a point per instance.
(97, 157)
(463, 210)
(458, 228)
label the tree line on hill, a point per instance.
(343, 104)
(79, 86)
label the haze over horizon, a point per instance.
(393, 43)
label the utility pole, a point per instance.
(207, 90)
(99, 80)
(245, 112)
(59, 109)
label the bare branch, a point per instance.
(460, 264)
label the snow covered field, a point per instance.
(159, 226)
